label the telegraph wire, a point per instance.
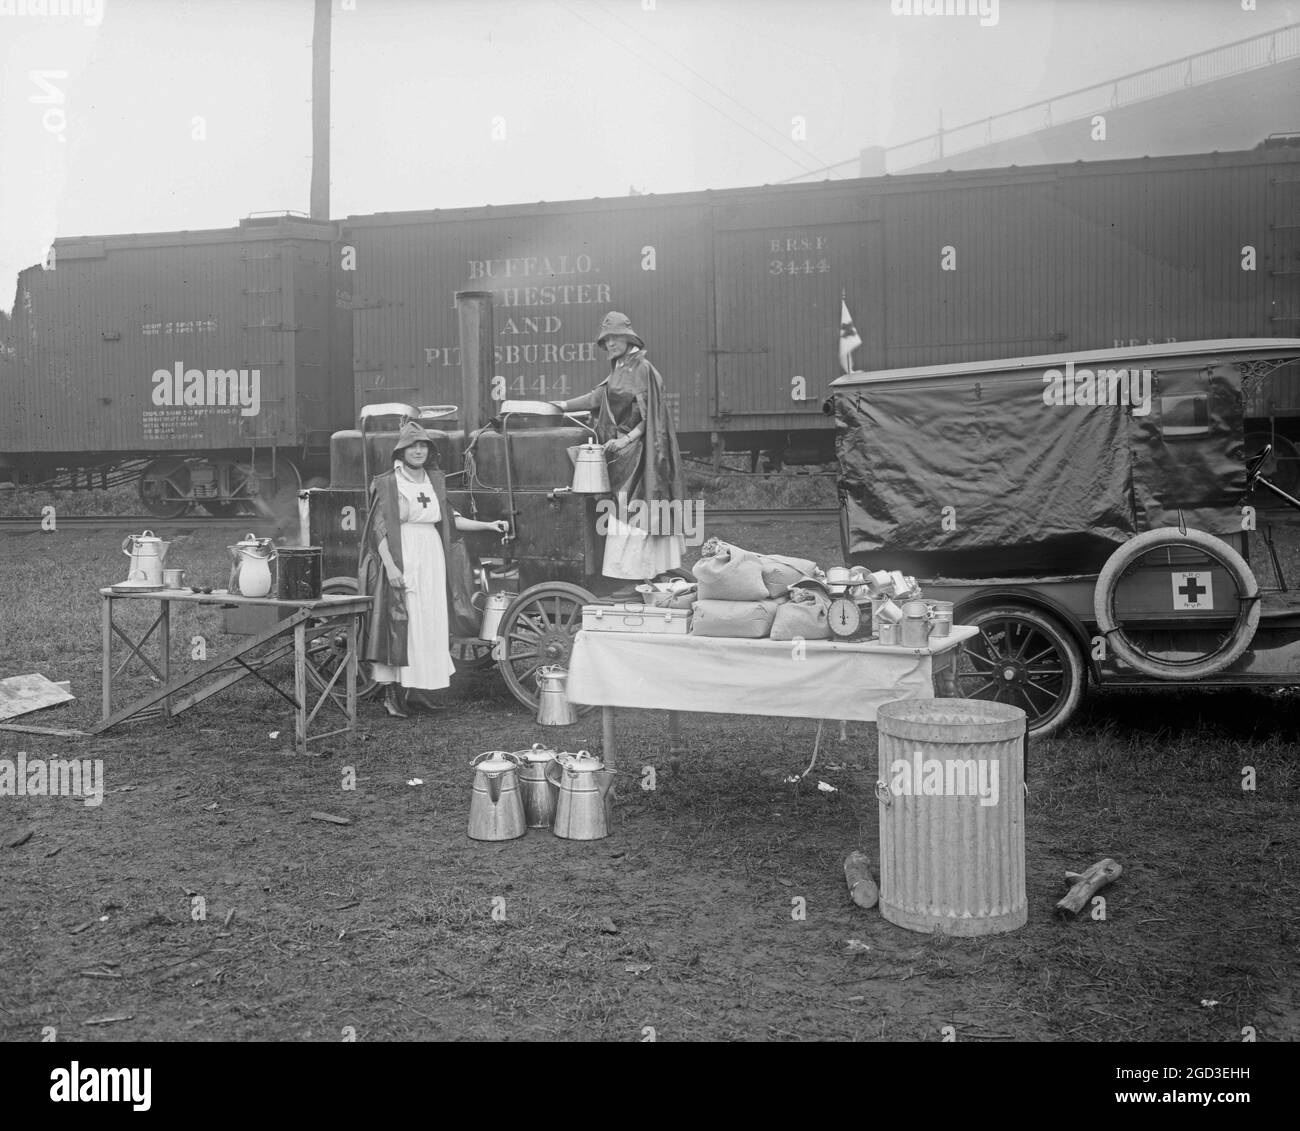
(730, 97)
(674, 79)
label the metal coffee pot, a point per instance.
(590, 473)
(493, 606)
(539, 793)
(250, 567)
(147, 553)
(496, 811)
(553, 706)
(583, 805)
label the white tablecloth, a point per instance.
(821, 679)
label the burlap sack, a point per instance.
(743, 620)
(732, 574)
(807, 618)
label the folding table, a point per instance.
(335, 620)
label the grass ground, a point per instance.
(681, 920)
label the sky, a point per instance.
(162, 115)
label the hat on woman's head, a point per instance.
(621, 324)
(412, 433)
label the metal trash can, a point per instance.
(950, 785)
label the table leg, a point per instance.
(674, 731)
(352, 671)
(607, 735)
(106, 621)
(300, 685)
(165, 650)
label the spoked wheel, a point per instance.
(538, 630)
(1025, 658)
(164, 488)
(328, 651)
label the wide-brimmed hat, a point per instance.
(621, 324)
(412, 433)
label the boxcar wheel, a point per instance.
(164, 488)
(538, 630)
(1026, 658)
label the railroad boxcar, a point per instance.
(738, 292)
(1092, 512)
(196, 363)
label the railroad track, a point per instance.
(245, 522)
(131, 522)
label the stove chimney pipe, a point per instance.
(477, 358)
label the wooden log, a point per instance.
(1087, 884)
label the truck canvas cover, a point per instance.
(1042, 464)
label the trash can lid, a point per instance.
(950, 720)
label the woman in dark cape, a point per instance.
(633, 422)
(405, 551)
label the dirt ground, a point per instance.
(680, 921)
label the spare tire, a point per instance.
(1243, 630)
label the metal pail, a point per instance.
(952, 815)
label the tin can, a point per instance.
(887, 631)
(940, 618)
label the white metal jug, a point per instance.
(147, 553)
(250, 568)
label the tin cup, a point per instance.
(838, 578)
(173, 579)
(887, 632)
(887, 613)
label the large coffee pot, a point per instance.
(538, 792)
(147, 553)
(496, 811)
(582, 807)
(250, 567)
(590, 472)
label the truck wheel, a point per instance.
(1026, 658)
(538, 630)
(1232, 647)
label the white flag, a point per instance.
(849, 340)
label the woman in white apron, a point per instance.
(408, 640)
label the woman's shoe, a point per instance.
(393, 702)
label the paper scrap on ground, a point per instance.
(20, 694)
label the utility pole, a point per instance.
(320, 112)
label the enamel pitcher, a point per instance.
(584, 801)
(250, 567)
(496, 811)
(147, 553)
